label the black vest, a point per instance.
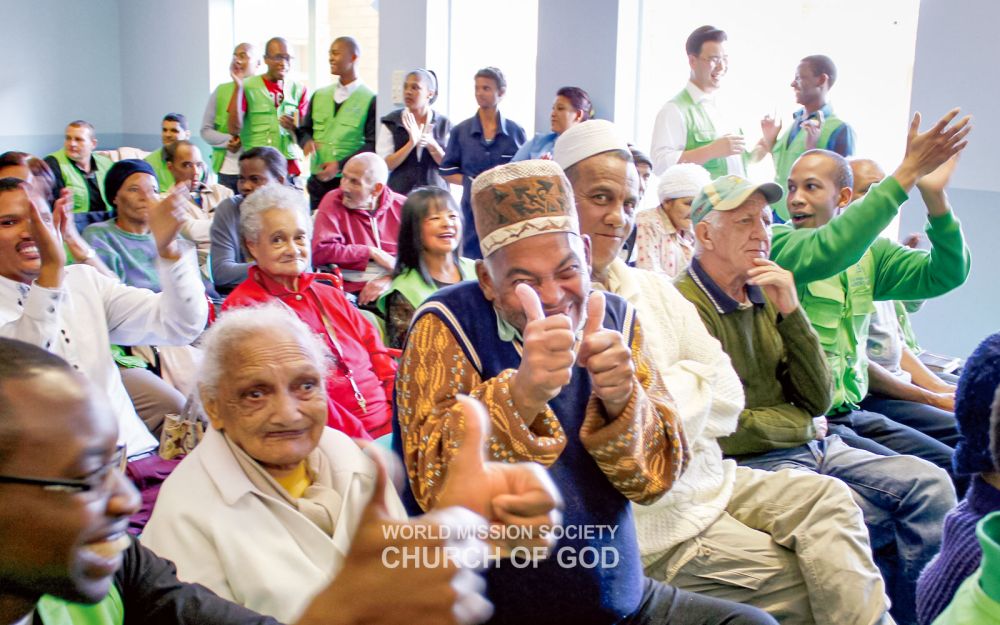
(413, 172)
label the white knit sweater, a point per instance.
(709, 397)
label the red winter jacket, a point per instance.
(364, 354)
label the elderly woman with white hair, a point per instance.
(664, 237)
(276, 230)
(271, 504)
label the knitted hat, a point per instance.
(682, 180)
(729, 192)
(120, 172)
(520, 200)
(973, 401)
(586, 139)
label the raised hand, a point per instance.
(520, 494)
(778, 284)
(770, 128)
(166, 219)
(607, 358)
(47, 240)
(937, 180)
(411, 126)
(373, 569)
(926, 151)
(547, 358)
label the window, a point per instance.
(872, 44)
(256, 21)
(501, 33)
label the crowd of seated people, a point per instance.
(538, 404)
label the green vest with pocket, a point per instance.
(260, 123)
(222, 97)
(785, 155)
(108, 611)
(701, 132)
(342, 133)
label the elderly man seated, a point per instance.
(64, 505)
(751, 305)
(78, 313)
(275, 226)
(568, 384)
(296, 489)
(188, 169)
(792, 543)
(357, 227)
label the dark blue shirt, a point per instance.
(469, 154)
(841, 139)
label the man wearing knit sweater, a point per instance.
(960, 551)
(751, 305)
(791, 543)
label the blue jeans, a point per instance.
(903, 499)
(899, 437)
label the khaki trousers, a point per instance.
(790, 542)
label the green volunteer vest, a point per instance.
(701, 132)
(412, 286)
(785, 155)
(108, 611)
(840, 310)
(222, 97)
(74, 180)
(260, 123)
(163, 175)
(339, 134)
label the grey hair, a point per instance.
(270, 196)
(374, 166)
(234, 327)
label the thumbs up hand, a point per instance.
(607, 358)
(374, 569)
(547, 358)
(520, 494)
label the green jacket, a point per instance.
(73, 179)
(840, 307)
(786, 154)
(338, 134)
(701, 132)
(260, 124)
(977, 601)
(163, 176)
(778, 359)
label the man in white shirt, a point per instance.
(690, 127)
(77, 313)
(340, 122)
(226, 148)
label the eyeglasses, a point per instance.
(95, 481)
(287, 58)
(715, 61)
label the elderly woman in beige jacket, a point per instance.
(264, 510)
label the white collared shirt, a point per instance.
(342, 91)
(82, 319)
(670, 132)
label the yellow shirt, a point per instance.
(296, 482)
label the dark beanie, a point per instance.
(119, 173)
(973, 401)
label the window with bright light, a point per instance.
(256, 21)
(872, 44)
(501, 33)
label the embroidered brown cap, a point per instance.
(519, 200)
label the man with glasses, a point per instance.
(690, 128)
(78, 313)
(226, 148)
(265, 110)
(65, 506)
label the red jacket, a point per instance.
(343, 235)
(364, 355)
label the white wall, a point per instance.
(62, 63)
